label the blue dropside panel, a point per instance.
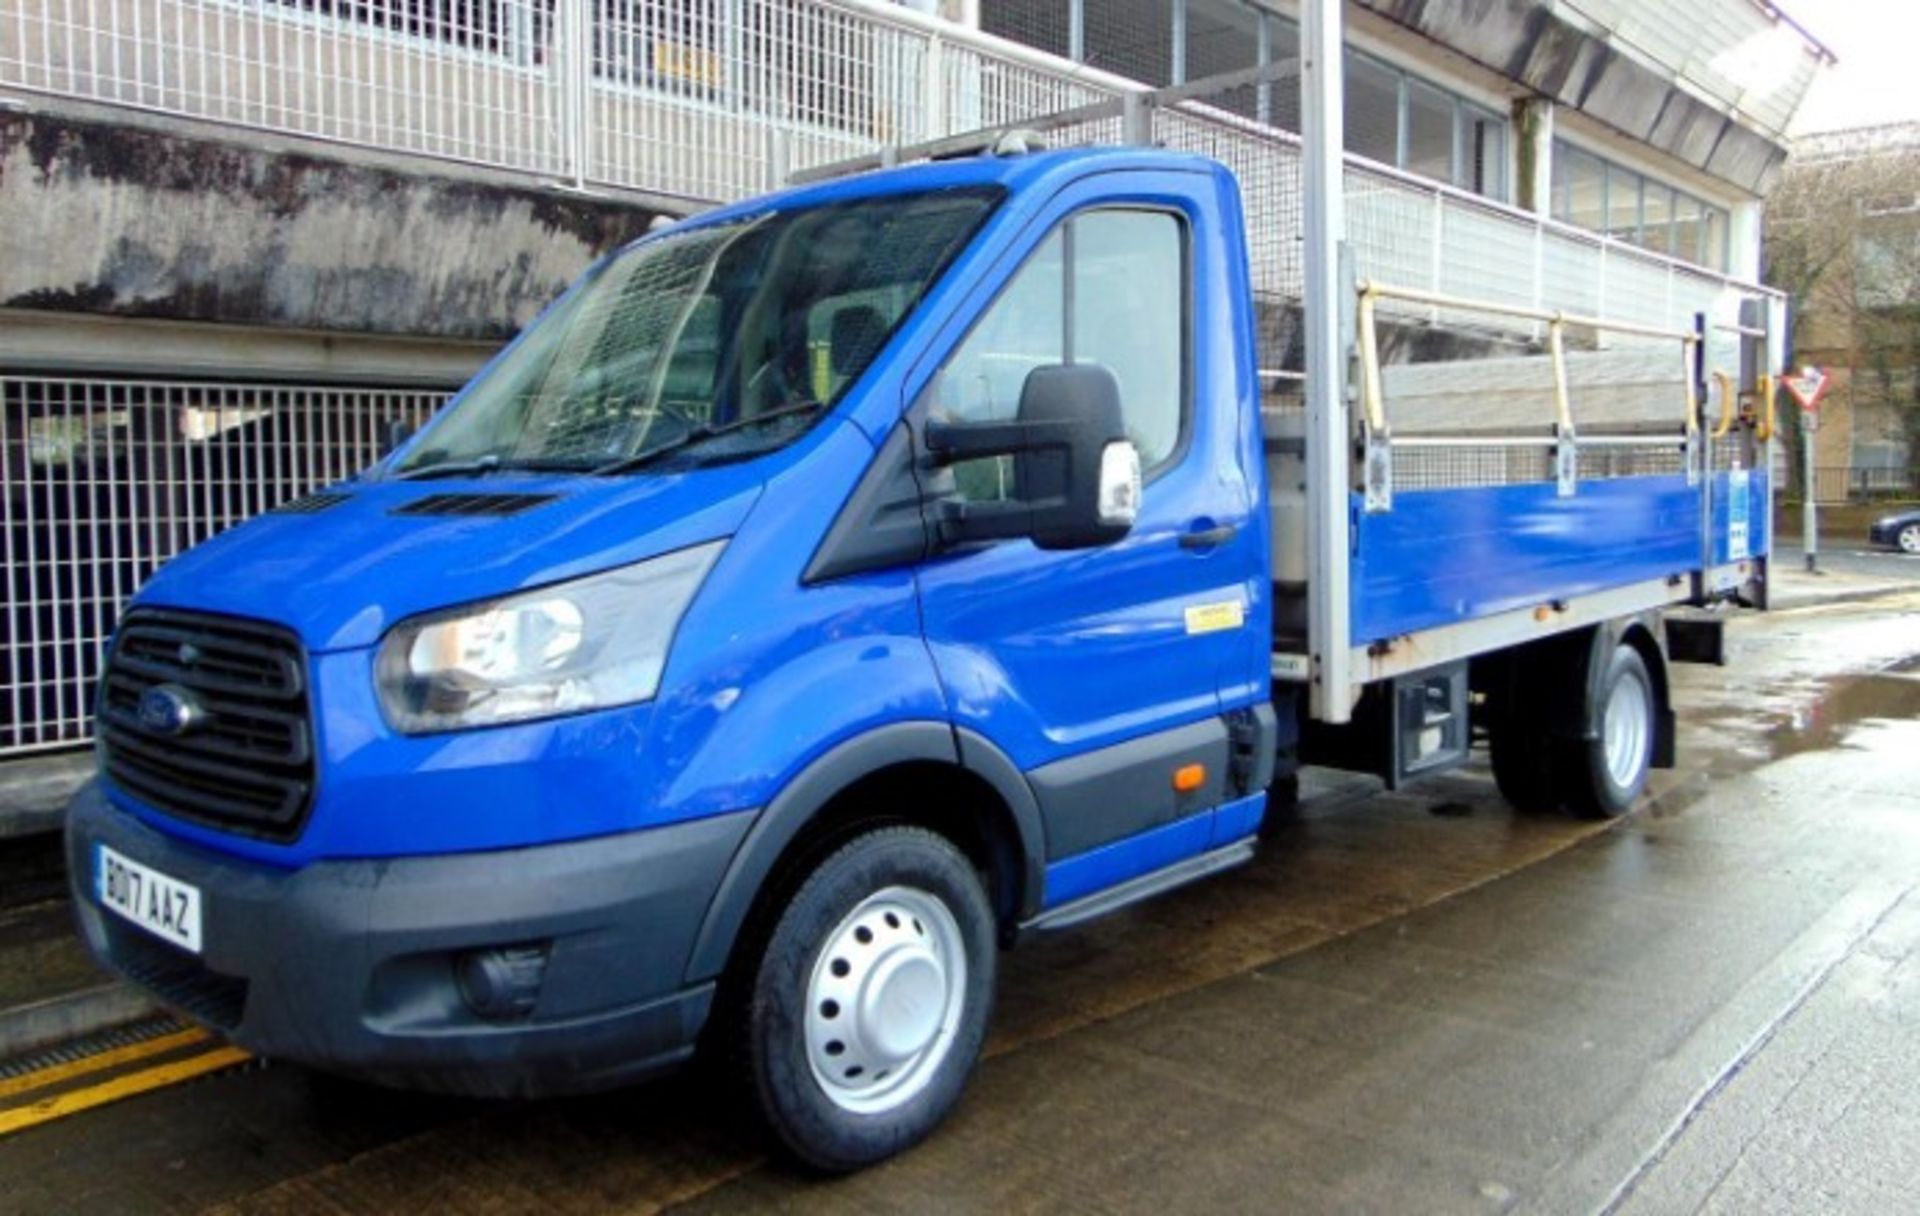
(1444, 556)
(1729, 523)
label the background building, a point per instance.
(1843, 238)
(238, 238)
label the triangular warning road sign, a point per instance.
(1807, 387)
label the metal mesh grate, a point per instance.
(104, 480)
(1656, 458)
(1490, 464)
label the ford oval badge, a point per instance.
(168, 709)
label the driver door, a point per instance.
(1098, 670)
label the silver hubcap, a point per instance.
(1910, 538)
(885, 999)
(1629, 729)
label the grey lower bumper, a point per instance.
(351, 966)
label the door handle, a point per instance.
(1208, 538)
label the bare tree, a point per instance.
(1843, 240)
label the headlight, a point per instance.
(588, 644)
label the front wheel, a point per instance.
(1908, 538)
(871, 999)
(1608, 772)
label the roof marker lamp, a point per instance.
(592, 643)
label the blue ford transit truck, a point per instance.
(826, 592)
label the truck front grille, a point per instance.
(243, 759)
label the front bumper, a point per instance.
(1884, 534)
(351, 966)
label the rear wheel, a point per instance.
(1523, 765)
(870, 1001)
(1518, 746)
(1605, 774)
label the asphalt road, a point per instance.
(1411, 1002)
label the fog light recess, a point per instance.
(502, 984)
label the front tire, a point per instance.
(1606, 774)
(1908, 539)
(870, 1002)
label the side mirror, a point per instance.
(1076, 474)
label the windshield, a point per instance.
(684, 344)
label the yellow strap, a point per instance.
(1729, 404)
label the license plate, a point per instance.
(165, 907)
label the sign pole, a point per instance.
(1810, 521)
(1807, 389)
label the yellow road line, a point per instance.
(41, 1078)
(59, 1106)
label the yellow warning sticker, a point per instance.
(1212, 618)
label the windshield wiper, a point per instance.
(700, 434)
(490, 463)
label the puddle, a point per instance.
(1789, 717)
(1848, 701)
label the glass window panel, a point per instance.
(1045, 24)
(1283, 96)
(1484, 157)
(1373, 109)
(1128, 271)
(1586, 186)
(1656, 217)
(1623, 204)
(1687, 241)
(1025, 329)
(1715, 254)
(1128, 302)
(1430, 132)
(1224, 36)
(1131, 38)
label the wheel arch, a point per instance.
(1557, 680)
(861, 782)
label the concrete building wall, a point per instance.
(108, 219)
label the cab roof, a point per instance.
(1015, 173)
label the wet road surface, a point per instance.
(1408, 1002)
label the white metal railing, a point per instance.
(706, 99)
(713, 100)
(101, 481)
(1435, 239)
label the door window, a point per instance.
(1106, 287)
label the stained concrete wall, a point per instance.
(129, 221)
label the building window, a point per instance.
(1589, 192)
(1392, 117)
(1413, 124)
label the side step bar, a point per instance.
(1158, 882)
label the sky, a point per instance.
(1875, 80)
